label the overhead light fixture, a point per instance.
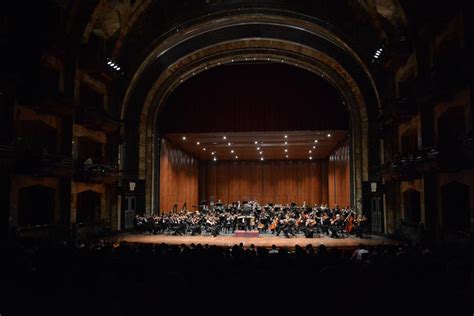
(213, 153)
(215, 159)
(236, 157)
(228, 144)
(286, 143)
(232, 151)
(258, 148)
(329, 135)
(315, 140)
(314, 147)
(184, 138)
(310, 152)
(286, 150)
(198, 143)
(286, 136)
(224, 137)
(286, 156)
(256, 142)
(310, 158)
(261, 153)
(204, 149)
(261, 159)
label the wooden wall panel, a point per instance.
(268, 181)
(179, 177)
(339, 176)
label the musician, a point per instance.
(335, 226)
(361, 226)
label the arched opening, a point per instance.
(412, 206)
(455, 206)
(451, 129)
(36, 205)
(88, 207)
(289, 41)
(259, 131)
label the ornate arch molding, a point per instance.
(294, 41)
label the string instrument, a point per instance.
(274, 224)
(350, 223)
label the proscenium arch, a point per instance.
(205, 46)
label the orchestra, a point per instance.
(278, 219)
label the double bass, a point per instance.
(350, 222)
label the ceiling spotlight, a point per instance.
(310, 158)
(109, 63)
(286, 136)
(213, 153)
(310, 151)
(118, 68)
(286, 150)
(329, 135)
(224, 137)
(256, 142)
(258, 148)
(231, 151)
(236, 157)
(228, 144)
(314, 147)
(286, 156)
(261, 153)
(261, 158)
(315, 140)
(204, 149)
(198, 143)
(215, 159)
(184, 138)
(286, 143)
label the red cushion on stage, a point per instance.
(243, 233)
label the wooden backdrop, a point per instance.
(339, 187)
(277, 181)
(179, 177)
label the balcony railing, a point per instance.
(43, 164)
(410, 166)
(399, 110)
(7, 155)
(97, 119)
(96, 173)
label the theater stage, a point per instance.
(264, 240)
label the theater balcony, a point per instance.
(410, 166)
(397, 52)
(7, 156)
(96, 118)
(96, 173)
(42, 163)
(399, 110)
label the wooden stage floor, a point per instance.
(264, 240)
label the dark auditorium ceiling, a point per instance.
(248, 97)
(272, 145)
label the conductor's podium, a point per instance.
(246, 234)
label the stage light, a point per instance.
(314, 147)
(224, 137)
(118, 68)
(231, 151)
(286, 150)
(261, 159)
(256, 142)
(213, 153)
(258, 148)
(286, 156)
(215, 159)
(236, 157)
(315, 140)
(109, 63)
(286, 143)
(204, 149)
(286, 136)
(228, 144)
(184, 138)
(310, 151)
(310, 158)
(329, 135)
(198, 143)
(261, 153)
